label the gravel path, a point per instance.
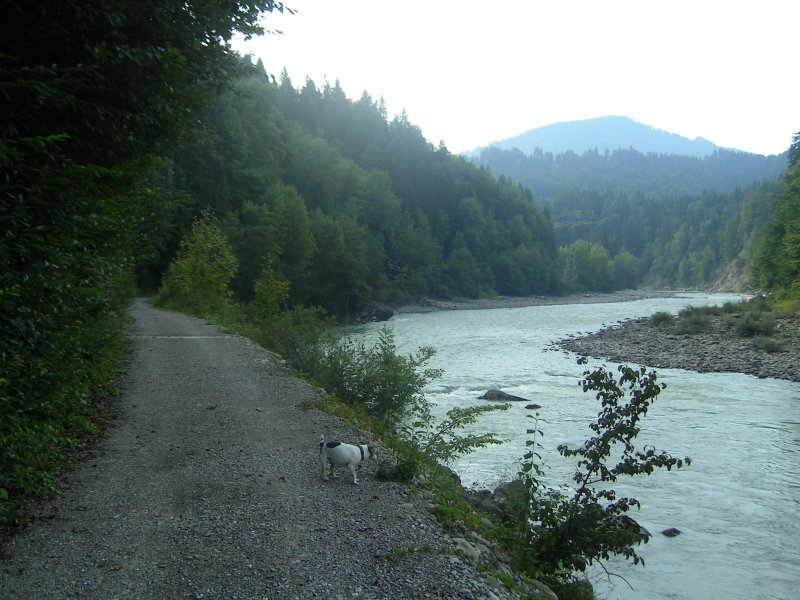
(208, 486)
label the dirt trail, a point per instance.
(208, 486)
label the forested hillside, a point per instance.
(680, 221)
(631, 172)
(686, 241)
(777, 260)
(348, 206)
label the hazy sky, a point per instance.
(470, 72)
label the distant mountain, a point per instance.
(606, 133)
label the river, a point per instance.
(738, 504)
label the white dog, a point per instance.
(343, 455)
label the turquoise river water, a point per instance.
(738, 504)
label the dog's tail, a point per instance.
(321, 443)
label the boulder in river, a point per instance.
(375, 311)
(495, 394)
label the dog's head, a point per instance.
(373, 446)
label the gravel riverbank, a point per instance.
(522, 301)
(719, 349)
(208, 485)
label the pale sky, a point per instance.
(471, 72)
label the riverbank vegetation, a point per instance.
(550, 533)
(151, 131)
(94, 93)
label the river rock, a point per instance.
(502, 396)
(375, 311)
(511, 497)
(632, 525)
(533, 406)
(671, 532)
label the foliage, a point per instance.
(570, 532)
(424, 444)
(777, 263)
(298, 335)
(348, 206)
(92, 92)
(271, 294)
(389, 385)
(441, 442)
(590, 267)
(693, 321)
(766, 344)
(662, 319)
(753, 324)
(198, 280)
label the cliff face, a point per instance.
(736, 278)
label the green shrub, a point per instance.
(565, 532)
(298, 335)
(699, 311)
(693, 323)
(662, 319)
(198, 280)
(766, 344)
(404, 465)
(388, 384)
(753, 324)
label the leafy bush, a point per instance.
(693, 323)
(563, 533)
(699, 311)
(198, 280)
(298, 335)
(662, 319)
(753, 324)
(389, 385)
(766, 344)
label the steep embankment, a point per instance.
(209, 485)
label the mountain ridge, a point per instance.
(603, 134)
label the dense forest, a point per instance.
(122, 124)
(631, 172)
(686, 221)
(348, 206)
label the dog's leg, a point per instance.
(352, 468)
(324, 462)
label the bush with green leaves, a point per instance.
(424, 444)
(564, 532)
(766, 344)
(198, 280)
(662, 319)
(299, 335)
(693, 323)
(754, 324)
(388, 384)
